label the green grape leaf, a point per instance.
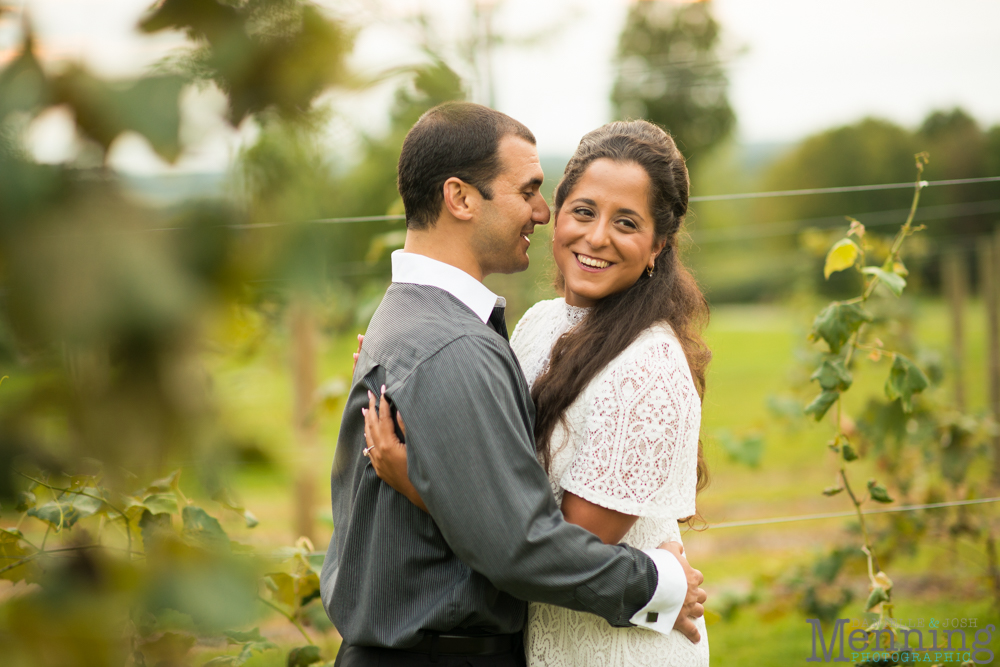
(837, 322)
(878, 492)
(848, 452)
(895, 282)
(832, 490)
(58, 513)
(842, 255)
(238, 637)
(225, 498)
(822, 403)
(25, 501)
(307, 59)
(155, 528)
(878, 595)
(832, 376)
(91, 503)
(149, 106)
(168, 648)
(169, 483)
(251, 640)
(12, 549)
(905, 380)
(203, 530)
(284, 587)
(23, 84)
(161, 503)
(156, 503)
(303, 656)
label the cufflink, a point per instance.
(651, 617)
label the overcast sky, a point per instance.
(796, 66)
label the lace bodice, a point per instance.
(629, 443)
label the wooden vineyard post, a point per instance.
(955, 282)
(304, 344)
(989, 261)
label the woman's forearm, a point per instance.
(609, 525)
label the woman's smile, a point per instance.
(588, 263)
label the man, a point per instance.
(407, 587)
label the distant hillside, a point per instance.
(170, 189)
(553, 166)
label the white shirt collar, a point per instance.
(409, 267)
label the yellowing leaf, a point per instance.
(842, 256)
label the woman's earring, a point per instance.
(649, 270)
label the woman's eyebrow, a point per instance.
(628, 211)
(591, 202)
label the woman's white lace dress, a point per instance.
(631, 445)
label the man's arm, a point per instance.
(472, 461)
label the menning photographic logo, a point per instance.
(938, 641)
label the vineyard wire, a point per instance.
(703, 198)
(834, 515)
(827, 515)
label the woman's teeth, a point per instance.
(592, 262)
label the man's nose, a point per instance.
(540, 213)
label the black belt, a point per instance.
(455, 645)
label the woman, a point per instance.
(617, 370)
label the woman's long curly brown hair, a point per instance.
(670, 295)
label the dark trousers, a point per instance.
(367, 656)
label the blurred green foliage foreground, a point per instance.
(102, 314)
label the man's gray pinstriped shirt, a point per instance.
(494, 536)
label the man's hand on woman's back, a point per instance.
(694, 600)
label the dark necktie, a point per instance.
(497, 322)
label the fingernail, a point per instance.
(383, 389)
(364, 411)
(370, 394)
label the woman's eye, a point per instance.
(625, 222)
(583, 212)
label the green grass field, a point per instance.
(758, 352)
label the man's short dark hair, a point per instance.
(459, 139)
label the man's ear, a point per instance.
(460, 198)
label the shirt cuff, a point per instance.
(661, 611)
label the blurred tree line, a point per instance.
(731, 237)
(670, 72)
